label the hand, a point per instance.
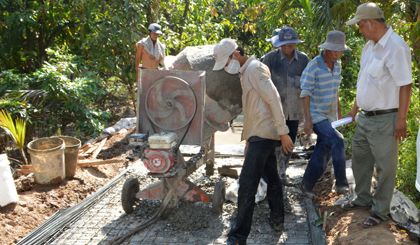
(307, 127)
(352, 114)
(246, 148)
(287, 143)
(400, 130)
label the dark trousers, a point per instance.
(260, 160)
(329, 143)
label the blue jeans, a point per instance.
(330, 143)
(260, 160)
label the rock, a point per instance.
(12, 223)
(22, 203)
(30, 208)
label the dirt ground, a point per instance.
(344, 227)
(38, 202)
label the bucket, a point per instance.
(47, 156)
(71, 154)
(8, 192)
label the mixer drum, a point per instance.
(223, 101)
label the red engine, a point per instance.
(158, 160)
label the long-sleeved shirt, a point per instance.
(261, 104)
(321, 84)
(286, 75)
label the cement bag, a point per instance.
(403, 209)
(232, 192)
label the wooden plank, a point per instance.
(317, 234)
(99, 148)
(99, 162)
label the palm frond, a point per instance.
(6, 122)
(15, 129)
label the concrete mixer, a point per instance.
(186, 104)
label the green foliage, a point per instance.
(52, 100)
(16, 129)
(407, 166)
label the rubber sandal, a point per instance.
(351, 205)
(371, 220)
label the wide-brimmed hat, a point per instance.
(154, 27)
(286, 35)
(336, 41)
(222, 51)
(273, 34)
(366, 11)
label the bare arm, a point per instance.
(306, 110)
(401, 125)
(353, 112)
(340, 115)
(138, 58)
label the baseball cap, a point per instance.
(336, 41)
(286, 35)
(366, 11)
(154, 27)
(222, 51)
(274, 33)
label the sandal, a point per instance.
(351, 205)
(373, 219)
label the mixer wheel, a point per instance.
(128, 195)
(219, 197)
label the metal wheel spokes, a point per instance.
(170, 103)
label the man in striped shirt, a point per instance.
(319, 82)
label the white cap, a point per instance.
(366, 11)
(154, 27)
(222, 51)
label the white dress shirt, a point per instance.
(384, 68)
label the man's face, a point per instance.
(365, 28)
(288, 48)
(154, 36)
(333, 55)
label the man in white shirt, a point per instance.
(264, 126)
(384, 94)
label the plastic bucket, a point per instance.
(71, 154)
(8, 192)
(47, 156)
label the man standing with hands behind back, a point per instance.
(384, 94)
(286, 65)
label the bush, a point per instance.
(52, 100)
(407, 160)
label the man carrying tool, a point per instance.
(264, 126)
(383, 93)
(286, 65)
(320, 81)
(150, 51)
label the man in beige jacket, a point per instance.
(264, 126)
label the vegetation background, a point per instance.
(66, 63)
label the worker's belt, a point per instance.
(378, 112)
